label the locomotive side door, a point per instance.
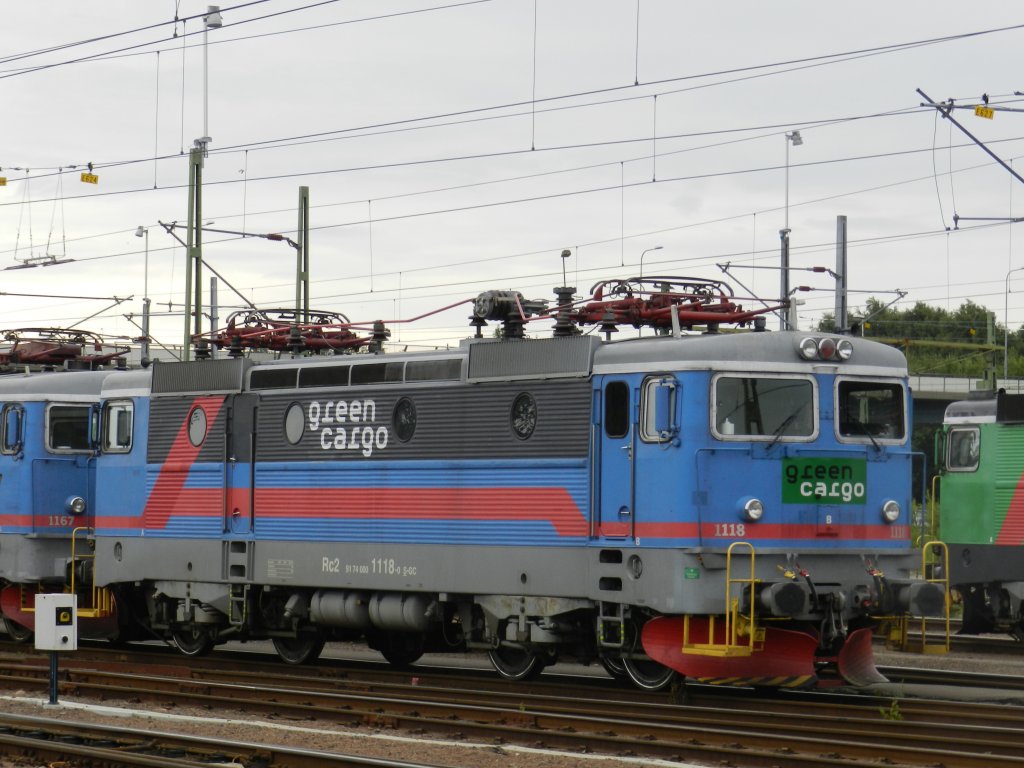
(615, 472)
(239, 464)
(66, 470)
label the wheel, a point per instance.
(304, 649)
(517, 663)
(192, 642)
(400, 648)
(648, 675)
(613, 666)
(17, 632)
(644, 673)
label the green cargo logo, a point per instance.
(824, 481)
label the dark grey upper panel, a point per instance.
(532, 358)
(200, 376)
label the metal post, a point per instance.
(302, 259)
(194, 247)
(784, 278)
(786, 224)
(53, 677)
(212, 20)
(142, 231)
(648, 250)
(197, 252)
(213, 315)
(144, 351)
(841, 313)
(796, 140)
(194, 161)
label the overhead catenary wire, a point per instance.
(646, 233)
(132, 49)
(375, 199)
(819, 60)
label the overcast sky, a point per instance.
(452, 148)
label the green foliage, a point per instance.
(892, 712)
(937, 341)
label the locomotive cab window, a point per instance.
(870, 411)
(616, 409)
(963, 449)
(764, 407)
(117, 426)
(69, 428)
(659, 422)
(13, 426)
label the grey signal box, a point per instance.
(56, 622)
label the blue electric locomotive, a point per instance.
(732, 506)
(49, 433)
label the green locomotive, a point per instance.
(980, 456)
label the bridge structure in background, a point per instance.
(932, 394)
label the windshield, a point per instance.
(871, 409)
(761, 406)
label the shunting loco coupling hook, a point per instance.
(833, 626)
(886, 596)
(815, 600)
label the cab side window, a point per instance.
(659, 421)
(12, 429)
(118, 420)
(616, 409)
(964, 449)
(68, 428)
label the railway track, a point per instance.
(44, 738)
(589, 715)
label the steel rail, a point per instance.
(856, 733)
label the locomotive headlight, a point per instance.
(891, 511)
(844, 349)
(753, 509)
(808, 349)
(827, 348)
(75, 505)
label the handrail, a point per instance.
(732, 604)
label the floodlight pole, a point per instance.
(646, 251)
(194, 248)
(302, 259)
(784, 321)
(194, 244)
(142, 231)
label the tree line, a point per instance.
(940, 342)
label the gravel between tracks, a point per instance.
(308, 734)
(392, 744)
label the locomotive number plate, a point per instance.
(824, 481)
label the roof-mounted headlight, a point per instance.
(827, 348)
(808, 349)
